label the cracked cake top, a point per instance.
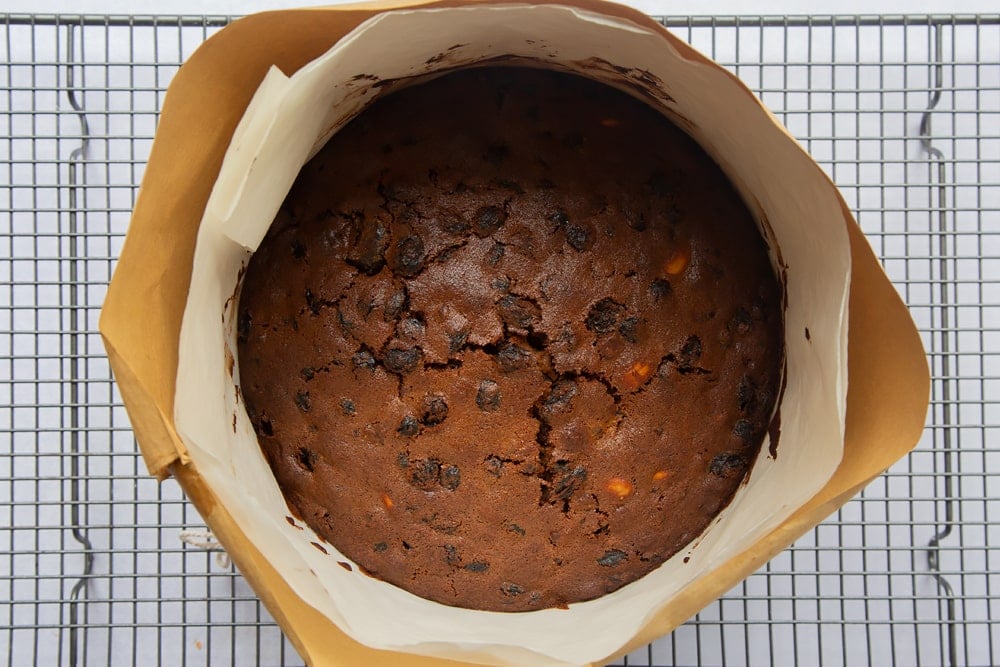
(512, 341)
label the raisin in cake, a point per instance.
(512, 340)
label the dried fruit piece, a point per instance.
(307, 458)
(314, 303)
(567, 481)
(620, 487)
(513, 357)
(450, 477)
(746, 395)
(518, 312)
(435, 410)
(559, 396)
(368, 253)
(243, 324)
(387, 501)
(302, 401)
(363, 359)
(635, 219)
(477, 566)
(511, 590)
(691, 351)
(612, 557)
(409, 257)
(451, 555)
(578, 237)
(402, 360)
(496, 253)
(408, 426)
(441, 524)
(488, 219)
(627, 329)
(453, 223)
(394, 305)
(488, 396)
(411, 327)
(603, 315)
(456, 340)
(677, 262)
(559, 217)
(727, 463)
(425, 474)
(660, 475)
(743, 429)
(636, 375)
(494, 465)
(660, 289)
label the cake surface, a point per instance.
(512, 341)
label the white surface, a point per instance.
(657, 7)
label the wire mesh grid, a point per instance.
(903, 113)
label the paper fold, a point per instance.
(286, 121)
(888, 390)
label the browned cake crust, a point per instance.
(512, 341)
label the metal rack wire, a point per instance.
(903, 112)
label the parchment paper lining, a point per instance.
(290, 118)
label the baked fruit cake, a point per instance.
(512, 341)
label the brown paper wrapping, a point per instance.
(141, 321)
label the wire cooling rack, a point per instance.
(99, 564)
